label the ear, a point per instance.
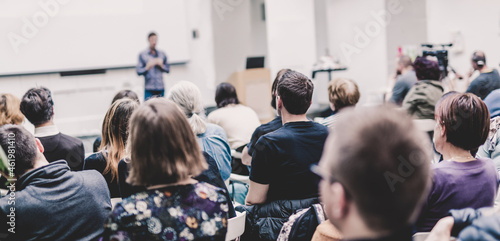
(39, 145)
(442, 130)
(279, 102)
(340, 207)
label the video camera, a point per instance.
(440, 54)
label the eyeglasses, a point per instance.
(327, 176)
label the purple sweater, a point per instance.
(456, 186)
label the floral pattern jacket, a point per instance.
(185, 212)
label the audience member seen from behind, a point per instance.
(460, 180)
(488, 79)
(341, 93)
(164, 156)
(279, 178)
(491, 148)
(120, 95)
(51, 202)
(115, 134)
(212, 138)
(423, 96)
(237, 120)
(263, 129)
(405, 79)
(9, 110)
(38, 107)
(367, 189)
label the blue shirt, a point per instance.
(153, 76)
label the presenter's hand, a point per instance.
(151, 63)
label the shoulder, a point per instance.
(70, 139)
(95, 157)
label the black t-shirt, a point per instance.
(262, 130)
(283, 158)
(484, 84)
(97, 162)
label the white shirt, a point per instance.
(238, 121)
(46, 131)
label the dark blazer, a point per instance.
(64, 147)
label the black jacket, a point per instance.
(264, 221)
(473, 224)
(54, 203)
(64, 147)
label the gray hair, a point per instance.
(188, 97)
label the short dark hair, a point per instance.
(126, 94)
(225, 94)
(24, 146)
(343, 93)
(151, 34)
(383, 162)
(296, 92)
(426, 69)
(466, 120)
(276, 82)
(37, 105)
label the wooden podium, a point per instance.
(254, 90)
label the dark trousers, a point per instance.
(148, 94)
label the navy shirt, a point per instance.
(458, 185)
(402, 86)
(262, 130)
(282, 159)
(484, 84)
(153, 76)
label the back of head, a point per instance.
(115, 132)
(296, 91)
(479, 58)
(37, 105)
(276, 82)
(10, 112)
(383, 162)
(125, 94)
(426, 69)
(17, 141)
(466, 120)
(162, 145)
(226, 95)
(405, 61)
(343, 93)
(188, 97)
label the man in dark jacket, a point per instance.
(38, 107)
(375, 174)
(48, 201)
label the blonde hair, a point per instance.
(343, 93)
(163, 148)
(188, 97)
(10, 112)
(115, 133)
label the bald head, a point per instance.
(478, 60)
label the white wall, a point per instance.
(82, 101)
(479, 23)
(291, 37)
(232, 36)
(360, 42)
